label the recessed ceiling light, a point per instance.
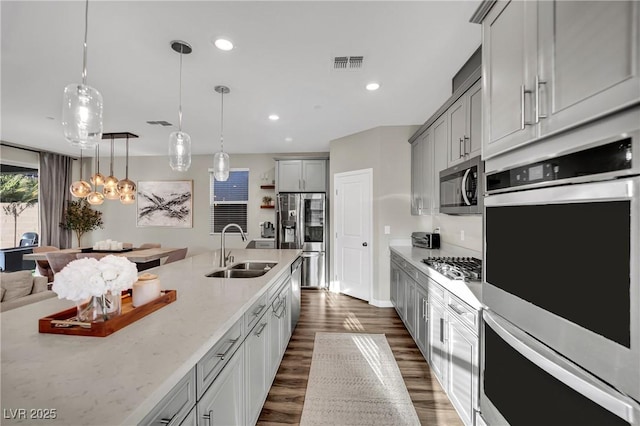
(372, 86)
(223, 44)
(288, 139)
(274, 117)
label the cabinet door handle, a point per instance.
(464, 145)
(232, 342)
(461, 142)
(258, 310)
(538, 83)
(166, 421)
(523, 123)
(441, 330)
(208, 416)
(262, 326)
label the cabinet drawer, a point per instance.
(254, 313)
(276, 288)
(212, 363)
(422, 280)
(465, 313)
(175, 407)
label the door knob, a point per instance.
(364, 244)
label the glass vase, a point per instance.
(99, 308)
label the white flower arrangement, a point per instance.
(88, 277)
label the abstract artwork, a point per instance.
(165, 203)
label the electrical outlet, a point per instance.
(462, 235)
(387, 230)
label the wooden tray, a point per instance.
(52, 323)
(92, 250)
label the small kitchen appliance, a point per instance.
(461, 188)
(425, 240)
(267, 230)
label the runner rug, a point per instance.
(354, 380)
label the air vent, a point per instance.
(160, 123)
(348, 63)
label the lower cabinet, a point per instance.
(223, 402)
(445, 329)
(437, 352)
(257, 367)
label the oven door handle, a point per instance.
(464, 187)
(561, 369)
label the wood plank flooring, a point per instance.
(330, 312)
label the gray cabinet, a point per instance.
(176, 405)
(440, 150)
(552, 65)
(422, 174)
(422, 319)
(257, 368)
(437, 352)
(394, 278)
(509, 60)
(223, 402)
(463, 359)
(410, 304)
(301, 175)
(589, 60)
(465, 125)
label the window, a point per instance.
(19, 201)
(229, 201)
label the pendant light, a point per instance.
(128, 198)
(80, 188)
(110, 190)
(96, 198)
(97, 179)
(180, 142)
(82, 105)
(126, 186)
(221, 158)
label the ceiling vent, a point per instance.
(348, 63)
(160, 123)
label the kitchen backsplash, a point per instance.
(464, 231)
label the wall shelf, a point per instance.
(267, 186)
(267, 207)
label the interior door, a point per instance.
(353, 212)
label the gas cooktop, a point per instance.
(457, 268)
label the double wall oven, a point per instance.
(562, 279)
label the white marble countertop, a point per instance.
(118, 379)
(468, 291)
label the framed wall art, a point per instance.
(165, 203)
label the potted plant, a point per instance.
(81, 218)
(266, 200)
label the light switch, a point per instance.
(387, 230)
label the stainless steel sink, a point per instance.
(237, 273)
(258, 266)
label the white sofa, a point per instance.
(21, 288)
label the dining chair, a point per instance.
(57, 261)
(177, 255)
(43, 266)
(96, 256)
(150, 245)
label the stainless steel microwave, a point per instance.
(461, 188)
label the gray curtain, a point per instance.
(55, 180)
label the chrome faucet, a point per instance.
(225, 256)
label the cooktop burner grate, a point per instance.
(457, 268)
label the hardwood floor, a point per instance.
(330, 312)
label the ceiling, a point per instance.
(282, 64)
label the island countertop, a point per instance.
(118, 379)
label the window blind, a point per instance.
(229, 201)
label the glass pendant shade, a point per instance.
(111, 192)
(128, 198)
(179, 151)
(221, 166)
(97, 179)
(126, 186)
(111, 182)
(82, 115)
(95, 198)
(80, 189)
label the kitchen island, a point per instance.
(120, 378)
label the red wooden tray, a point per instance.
(104, 328)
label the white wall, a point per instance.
(120, 220)
(386, 151)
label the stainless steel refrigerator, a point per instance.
(302, 224)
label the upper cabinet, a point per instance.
(421, 174)
(301, 175)
(465, 123)
(552, 65)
